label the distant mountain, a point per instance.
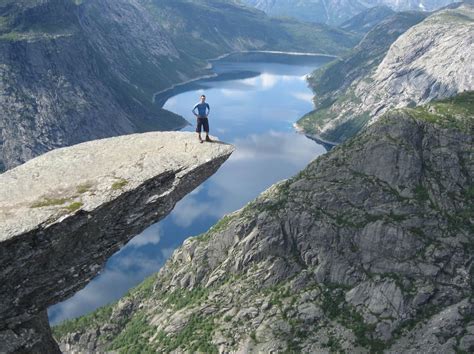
(320, 11)
(432, 60)
(367, 19)
(81, 70)
(337, 11)
(401, 5)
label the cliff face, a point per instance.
(73, 71)
(369, 248)
(431, 60)
(63, 214)
(368, 19)
(64, 82)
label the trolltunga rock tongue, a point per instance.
(63, 214)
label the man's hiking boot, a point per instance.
(208, 139)
(201, 141)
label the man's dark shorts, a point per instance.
(202, 123)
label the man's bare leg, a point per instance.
(200, 139)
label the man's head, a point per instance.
(203, 98)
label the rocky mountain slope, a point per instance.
(337, 11)
(400, 5)
(368, 19)
(65, 81)
(320, 11)
(63, 214)
(431, 60)
(80, 70)
(369, 248)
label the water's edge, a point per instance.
(210, 65)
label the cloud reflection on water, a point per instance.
(259, 161)
(255, 115)
(129, 267)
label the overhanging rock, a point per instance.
(63, 214)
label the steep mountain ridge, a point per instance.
(79, 70)
(337, 11)
(366, 20)
(431, 60)
(367, 249)
(320, 11)
(60, 87)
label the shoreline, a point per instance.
(172, 87)
(309, 54)
(317, 138)
(328, 145)
(220, 57)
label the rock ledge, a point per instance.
(63, 214)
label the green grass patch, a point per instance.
(421, 193)
(221, 225)
(134, 338)
(336, 308)
(119, 184)
(74, 206)
(452, 113)
(196, 336)
(469, 194)
(181, 298)
(81, 324)
(145, 289)
(84, 188)
(45, 202)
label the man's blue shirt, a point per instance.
(203, 109)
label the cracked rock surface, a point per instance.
(64, 213)
(368, 249)
(400, 63)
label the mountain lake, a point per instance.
(254, 98)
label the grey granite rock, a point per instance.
(64, 213)
(65, 80)
(432, 60)
(73, 71)
(337, 11)
(367, 249)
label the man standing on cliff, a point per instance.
(203, 110)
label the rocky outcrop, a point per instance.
(432, 60)
(64, 213)
(366, 20)
(368, 249)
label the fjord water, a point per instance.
(254, 100)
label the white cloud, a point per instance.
(188, 210)
(197, 190)
(233, 93)
(111, 285)
(303, 96)
(166, 252)
(147, 237)
(258, 162)
(268, 80)
(171, 104)
(253, 81)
